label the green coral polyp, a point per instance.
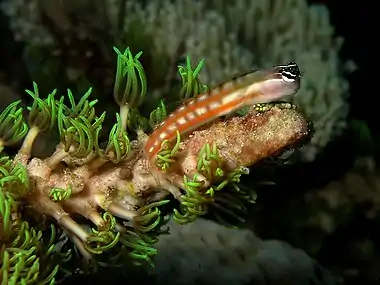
(60, 194)
(191, 85)
(166, 156)
(158, 115)
(207, 156)
(118, 146)
(12, 126)
(78, 126)
(130, 83)
(196, 200)
(13, 176)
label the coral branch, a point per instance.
(103, 195)
(70, 225)
(243, 141)
(27, 145)
(57, 157)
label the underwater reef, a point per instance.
(99, 196)
(61, 47)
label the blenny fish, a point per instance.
(258, 86)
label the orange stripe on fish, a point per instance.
(259, 86)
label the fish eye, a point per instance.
(290, 72)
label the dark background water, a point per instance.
(356, 22)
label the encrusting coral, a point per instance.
(107, 198)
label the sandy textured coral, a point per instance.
(275, 128)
